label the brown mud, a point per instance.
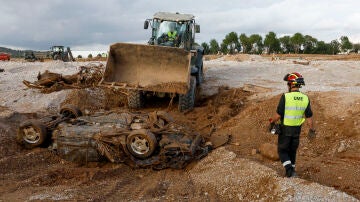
(332, 159)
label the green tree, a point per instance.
(323, 48)
(345, 43)
(90, 55)
(309, 44)
(334, 47)
(297, 40)
(245, 43)
(271, 42)
(206, 48)
(256, 43)
(214, 46)
(285, 44)
(224, 48)
(232, 42)
(79, 56)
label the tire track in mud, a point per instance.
(128, 186)
(150, 185)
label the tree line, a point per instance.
(297, 43)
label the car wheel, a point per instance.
(141, 143)
(32, 133)
(70, 111)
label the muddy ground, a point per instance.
(237, 102)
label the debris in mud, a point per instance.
(301, 62)
(48, 82)
(140, 140)
(166, 87)
(255, 89)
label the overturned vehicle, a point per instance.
(140, 140)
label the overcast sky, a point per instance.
(94, 24)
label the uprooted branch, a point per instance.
(88, 76)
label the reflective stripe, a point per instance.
(293, 165)
(286, 163)
(295, 108)
(293, 117)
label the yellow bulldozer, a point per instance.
(170, 64)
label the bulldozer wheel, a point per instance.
(70, 111)
(31, 133)
(200, 75)
(66, 58)
(135, 99)
(141, 143)
(57, 57)
(187, 101)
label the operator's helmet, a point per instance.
(295, 79)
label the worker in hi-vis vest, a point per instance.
(172, 34)
(293, 108)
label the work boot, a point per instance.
(293, 173)
(288, 170)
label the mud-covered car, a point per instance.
(137, 139)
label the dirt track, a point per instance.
(228, 173)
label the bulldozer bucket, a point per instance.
(149, 68)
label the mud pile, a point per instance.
(220, 175)
(331, 159)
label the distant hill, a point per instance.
(14, 53)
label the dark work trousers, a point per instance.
(288, 143)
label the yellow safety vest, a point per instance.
(172, 36)
(295, 106)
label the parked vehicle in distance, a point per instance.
(4, 56)
(32, 56)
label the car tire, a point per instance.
(70, 111)
(32, 133)
(141, 143)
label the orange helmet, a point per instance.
(295, 79)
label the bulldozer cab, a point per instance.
(57, 49)
(173, 29)
(169, 33)
(60, 53)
